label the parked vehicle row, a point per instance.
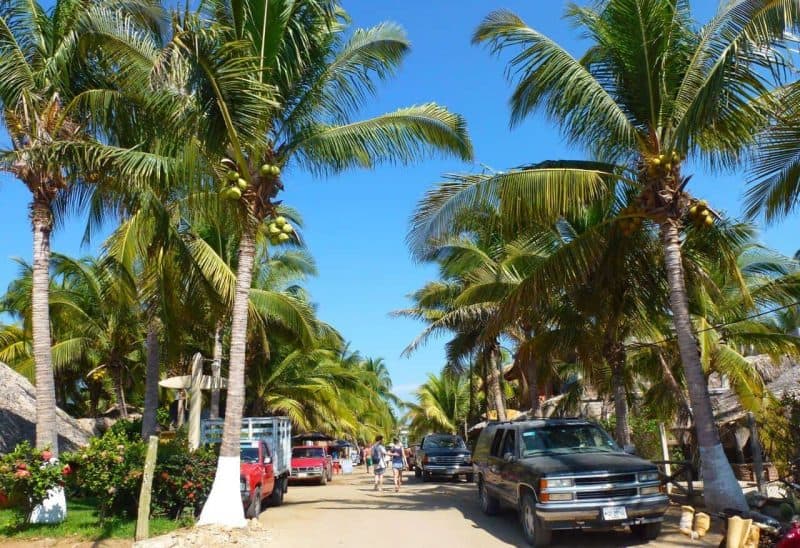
(311, 462)
(443, 455)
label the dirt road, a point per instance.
(347, 512)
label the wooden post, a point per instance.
(665, 454)
(143, 518)
(755, 448)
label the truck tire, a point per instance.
(254, 510)
(535, 532)
(647, 531)
(323, 479)
(489, 504)
(276, 498)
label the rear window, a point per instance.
(308, 452)
(249, 454)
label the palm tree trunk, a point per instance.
(119, 391)
(46, 426)
(721, 489)
(493, 364)
(533, 386)
(149, 422)
(223, 506)
(216, 369)
(622, 431)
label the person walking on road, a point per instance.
(399, 462)
(368, 457)
(379, 462)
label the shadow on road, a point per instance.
(419, 496)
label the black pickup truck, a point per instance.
(443, 455)
(566, 474)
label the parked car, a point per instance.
(566, 474)
(264, 459)
(443, 455)
(310, 462)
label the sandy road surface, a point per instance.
(347, 512)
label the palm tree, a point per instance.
(441, 405)
(43, 96)
(274, 85)
(652, 90)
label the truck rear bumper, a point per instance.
(590, 515)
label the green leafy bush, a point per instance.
(110, 470)
(182, 480)
(26, 475)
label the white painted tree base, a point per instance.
(53, 509)
(721, 489)
(224, 504)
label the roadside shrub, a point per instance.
(26, 475)
(781, 434)
(182, 480)
(110, 470)
(644, 435)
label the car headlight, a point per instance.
(432, 459)
(550, 483)
(318, 469)
(467, 459)
(243, 485)
(649, 476)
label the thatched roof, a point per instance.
(18, 415)
(782, 379)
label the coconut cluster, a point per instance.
(632, 220)
(279, 231)
(700, 215)
(235, 184)
(662, 164)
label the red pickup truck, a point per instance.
(257, 481)
(310, 462)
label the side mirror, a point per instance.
(509, 457)
(630, 449)
(267, 460)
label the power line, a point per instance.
(724, 324)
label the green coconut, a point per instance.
(242, 184)
(288, 229)
(232, 176)
(273, 230)
(275, 171)
(280, 221)
(283, 237)
(265, 170)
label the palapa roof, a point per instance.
(781, 379)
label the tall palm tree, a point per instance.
(43, 93)
(441, 405)
(274, 85)
(652, 90)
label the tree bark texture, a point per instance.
(216, 369)
(721, 489)
(622, 430)
(46, 426)
(493, 363)
(119, 391)
(149, 421)
(235, 397)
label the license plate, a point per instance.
(612, 513)
(304, 475)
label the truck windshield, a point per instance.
(307, 453)
(444, 442)
(249, 454)
(566, 438)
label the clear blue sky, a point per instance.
(356, 223)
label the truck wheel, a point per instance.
(470, 478)
(254, 509)
(536, 532)
(489, 504)
(647, 531)
(276, 498)
(417, 472)
(323, 480)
